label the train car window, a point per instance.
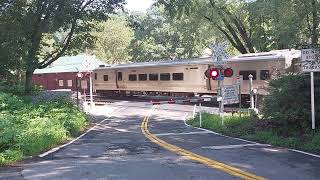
(165, 76)
(132, 77)
(143, 77)
(105, 77)
(177, 76)
(153, 77)
(95, 76)
(119, 76)
(264, 74)
(246, 74)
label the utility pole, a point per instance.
(313, 116)
(220, 54)
(91, 90)
(221, 102)
(251, 92)
(90, 78)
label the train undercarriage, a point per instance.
(156, 96)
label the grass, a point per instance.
(246, 128)
(27, 129)
(233, 125)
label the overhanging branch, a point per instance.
(66, 42)
(59, 52)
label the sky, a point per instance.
(138, 5)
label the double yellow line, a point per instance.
(195, 157)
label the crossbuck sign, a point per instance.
(219, 52)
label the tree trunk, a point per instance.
(28, 82)
(315, 23)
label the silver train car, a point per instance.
(187, 77)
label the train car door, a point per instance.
(120, 80)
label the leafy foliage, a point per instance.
(288, 105)
(17, 89)
(160, 36)
(33, 21)
(260, 25)
(27, 129)
(112, 40)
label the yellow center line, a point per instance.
(192, 156)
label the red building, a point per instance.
(62, 74)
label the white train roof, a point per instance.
(264, 56)
(194, 61)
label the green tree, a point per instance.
(228, 17)
(279, 24)
(112, 39)
(260, 25)
(310, 11)
(12, 47)
(159, 36)
(38, 18)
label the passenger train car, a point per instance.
(187, 77)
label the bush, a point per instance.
(314, 144)
(17, 89)
(9, 156)
(288, 105)
(8, 102)
(40, 134)
(27, 129)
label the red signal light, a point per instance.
(228, 72)
(214, 73)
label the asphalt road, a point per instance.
(118, 148)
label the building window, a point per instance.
(153, 77)
(165, 77)
(132, 77)
(143, 77)
(177, 76)
(105, 77)
(95, 76)
(69, 82)
(119, 76)
(60, 83)
(246, 74)
(264, 74)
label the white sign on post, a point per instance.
(310, 60)
(230, 94)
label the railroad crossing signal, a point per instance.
(214, 73)
(218, 74)
(228, 72)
